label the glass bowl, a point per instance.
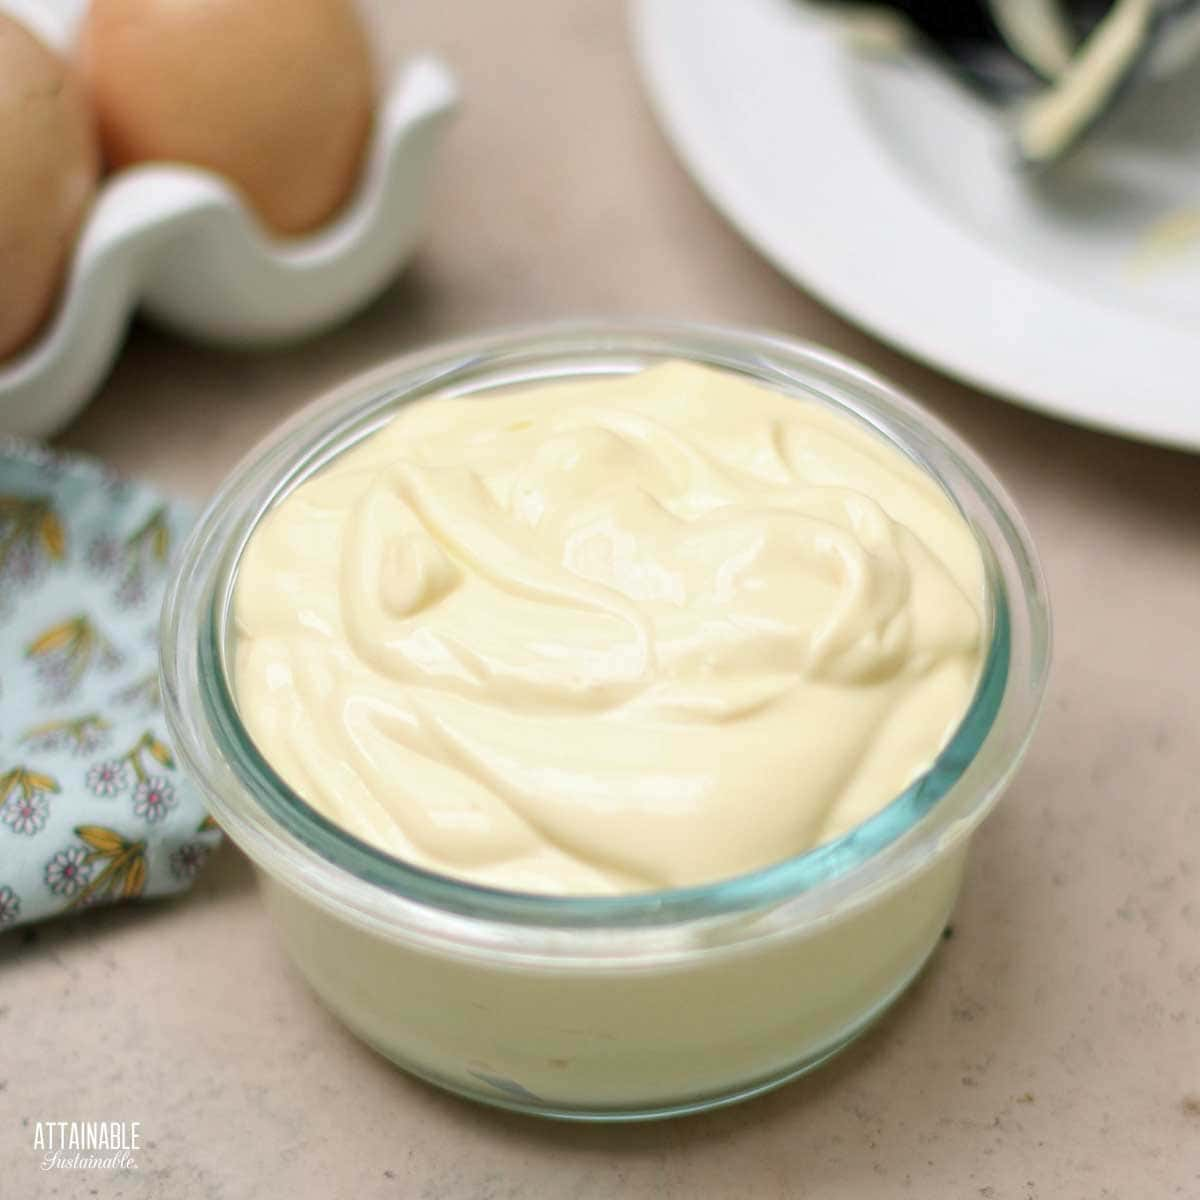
(630, 1006)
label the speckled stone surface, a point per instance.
(1051, 1051)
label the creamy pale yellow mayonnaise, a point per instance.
(610, 635)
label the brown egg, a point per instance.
(276, 95)
(48, 168)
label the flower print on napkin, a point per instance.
(31, 537)
(64, 653)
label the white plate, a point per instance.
(886, 190)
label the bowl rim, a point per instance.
(296, 843)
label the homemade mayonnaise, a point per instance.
(609, 635)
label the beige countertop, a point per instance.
(1051, 1050)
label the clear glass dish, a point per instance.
(624, 1007)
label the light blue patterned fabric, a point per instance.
(93, 808)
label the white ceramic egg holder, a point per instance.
(180, 243)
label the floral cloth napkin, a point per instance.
(92, 805)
